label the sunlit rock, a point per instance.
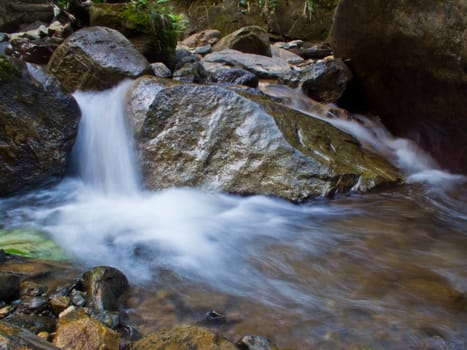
(216, 139)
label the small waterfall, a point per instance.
(104, 152)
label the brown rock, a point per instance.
(252, 39)
(76, 330)
(184, 338)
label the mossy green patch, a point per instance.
(29, 243)
(7, 69)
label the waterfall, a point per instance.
(104, 153)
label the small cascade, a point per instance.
(403, 153)
(104, 153)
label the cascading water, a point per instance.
(104, 151)
(385, 269)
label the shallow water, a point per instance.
(385, 270)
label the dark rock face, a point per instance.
(9, 286)
(96, 58)
(104, 286)
(410, 57)
(38, 125)
(324, 81)
(14, 13)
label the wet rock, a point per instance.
(13, 14)
(412, 71)
(261, 66)
(190, 138)
(184, 338)
(252, 39)
(141, 96)
(104, 286)
(32, 289)
(34, 304)
(78, 298)
(188, 73)
(96, 58)
(324, 81)
(160, 70)
(32, 322)
(316, 51)
(214, 317)
(286, 55)
(15, 338)
(59, 303)
(9, 286)
(228, 76)
(76, 330)
(110, 318)
(38, 125)
(203, 38)
(254, 342)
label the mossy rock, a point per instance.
(32, 244)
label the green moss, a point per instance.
(7, 69)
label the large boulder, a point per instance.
(252, 39)
(214, 138)
(14, 13)
(96, 58)
(38, 125)
(16, 338)
(410, 58)
(262, 66)
(184, 338)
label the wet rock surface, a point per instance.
(38, 124)
(9, 286)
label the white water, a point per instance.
(104, 151)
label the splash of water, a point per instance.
(403, 153)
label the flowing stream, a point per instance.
(382, 270)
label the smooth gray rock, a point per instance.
(261, 66)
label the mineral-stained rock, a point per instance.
(184, 338)
(96, 58)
